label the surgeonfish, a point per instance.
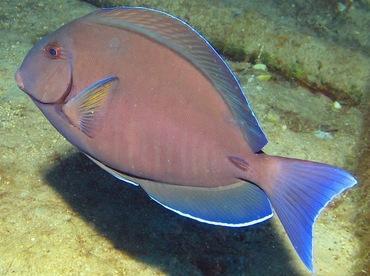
(148, 99)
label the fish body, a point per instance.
(148, 99)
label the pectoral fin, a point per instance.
(87, 110)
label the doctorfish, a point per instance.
(148, 99)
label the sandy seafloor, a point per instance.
(62, 215)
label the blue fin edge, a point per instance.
(301, 190)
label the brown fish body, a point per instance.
(149, 100)
(165, 114)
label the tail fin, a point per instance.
(300, 190)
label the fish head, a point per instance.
(46, 72)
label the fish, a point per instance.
(148, 99)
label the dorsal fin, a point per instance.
(186, 41)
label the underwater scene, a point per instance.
(304, 67)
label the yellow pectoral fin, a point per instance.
(87, 110)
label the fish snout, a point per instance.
(19, 80)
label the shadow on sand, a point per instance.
(141, 228)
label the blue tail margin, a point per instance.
(300, 190)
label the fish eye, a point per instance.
(52, 51)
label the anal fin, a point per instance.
(236, 205)
(117, 174)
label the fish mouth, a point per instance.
(19, 81)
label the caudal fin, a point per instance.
(299, 191)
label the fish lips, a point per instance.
(19, 80)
